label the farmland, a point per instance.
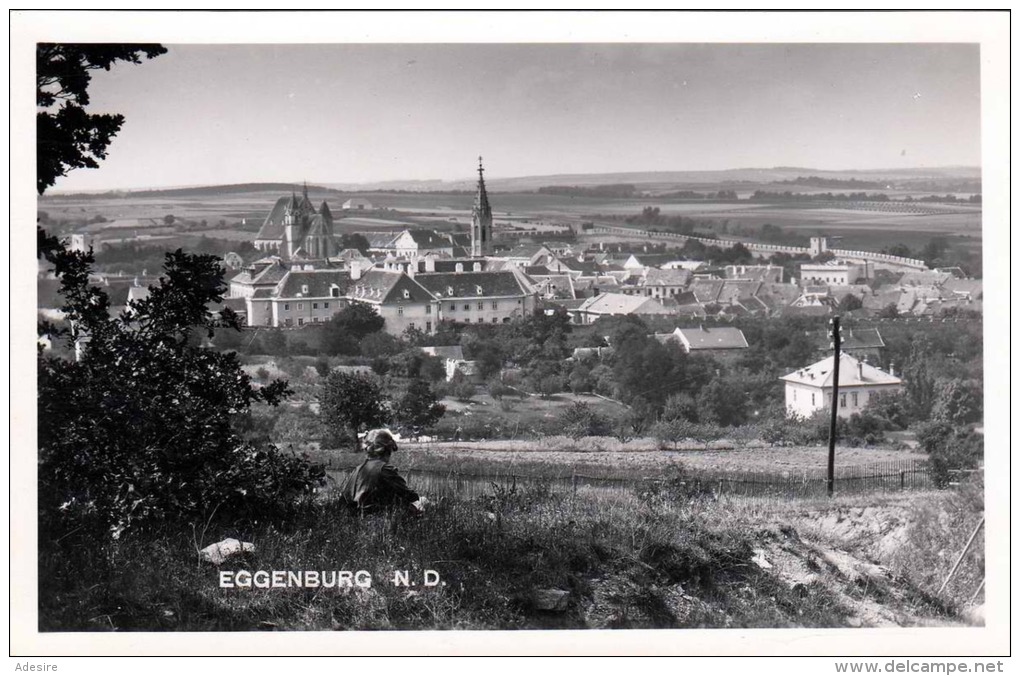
(236, 212)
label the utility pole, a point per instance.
(830, 480)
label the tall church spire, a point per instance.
(481, 218)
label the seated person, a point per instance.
(375, 484)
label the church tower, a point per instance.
(481, 219)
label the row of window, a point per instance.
(467, 306)
(842, 399)
(301, 306)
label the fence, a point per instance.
(868, 478)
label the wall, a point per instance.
(798, 398)
(507, 308)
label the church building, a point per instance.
(295, 229)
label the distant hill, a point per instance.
(643, 180)
(204, 191)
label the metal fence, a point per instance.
(867, 478)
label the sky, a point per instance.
(218, 114)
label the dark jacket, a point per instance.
(374, 484)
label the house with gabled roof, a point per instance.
(420, 242)
(400, 300)
(483, 297)
(862, 343)
(810, 389)
(702, 340)
(610, 304)
(656, 283)
(300, 297)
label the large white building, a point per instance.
(810, 389)
(838, 273)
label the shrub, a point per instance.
(463, 390)
(950, 448)
(141, 429)
(581, 420)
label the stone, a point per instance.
(225, 549)
(551, 599)
(759, 559)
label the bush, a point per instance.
(950, 448)
(463, 390)
(581, 420)
(141, 429)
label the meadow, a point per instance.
(530, 556)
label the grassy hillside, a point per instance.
(519, 557)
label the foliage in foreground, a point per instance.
(138, 430)
(627, 561)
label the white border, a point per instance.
(991, 30)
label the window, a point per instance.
(400, 311)
(495, 305)
(428, 327)
(334, 292)
(304, 288)
(318, 319)
(478, 290)
(410, 325)
(494, 320)
(466, 307)
(449, 291)
(407, 294)
(453, 308)
(286, 307)
(812, 398)
(325, 305)
(300, 306)
(853, 398)
(428, 309)
(795, 395)
(301, 321)
(315, 306)
(842, 400)
(481, 305)
(288, 322)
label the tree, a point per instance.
(342, 333)
(67, 136)
(849, 303)
(138, 429)
(419, 409)
(352, 403)
(890, 311)
(355, 241)
(957, 402)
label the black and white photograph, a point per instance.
(351, 332)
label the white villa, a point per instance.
(810, 389)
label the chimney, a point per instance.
(355, 269)
(860, 371)
(892, 369)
